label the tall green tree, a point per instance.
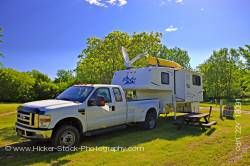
(64, 76)
(221, 74)
(102, 57)
(64, 79)
(245, 52)
(175, 54)
(245, 79)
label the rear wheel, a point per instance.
(66, 136)
(150, 121)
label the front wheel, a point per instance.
(66, 136)
(150, 121)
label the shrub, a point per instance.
(15, 86)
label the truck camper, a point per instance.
(178, 89)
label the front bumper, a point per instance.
(33, 133)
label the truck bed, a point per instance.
(137, 109)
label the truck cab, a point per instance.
(83, 110)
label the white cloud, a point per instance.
(202, 9)
(96, 2)
(171, 28)
(165, 2)
(112, 2)
(122, 2)
(106, 3)
(179, 1)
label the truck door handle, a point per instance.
(113, 108)
(82, 111)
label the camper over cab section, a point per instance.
(147, 78)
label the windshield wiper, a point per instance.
(63, 99)
(67, 99)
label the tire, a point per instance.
(150, 121)
(66, 135)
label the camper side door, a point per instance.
(196, 85)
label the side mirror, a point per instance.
(100, 101)
(91, 102)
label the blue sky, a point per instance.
(49, 34)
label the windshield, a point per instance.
(75, 93)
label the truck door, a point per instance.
(99, 116)
(119, 108)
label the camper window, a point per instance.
(164, 78)
(196, 80)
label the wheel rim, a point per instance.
(152, 122)
(67, 138)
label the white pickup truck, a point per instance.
(83, 110)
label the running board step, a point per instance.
(105, 130)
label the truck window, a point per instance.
(104, 92)
(118, 95)
(196, 80)
(130, 94)
(164, 78)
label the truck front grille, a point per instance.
(26, 118)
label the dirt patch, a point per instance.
(7, 113)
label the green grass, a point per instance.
(8, 118)
(164, 145)
(4, 108)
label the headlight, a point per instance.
(44, 121)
